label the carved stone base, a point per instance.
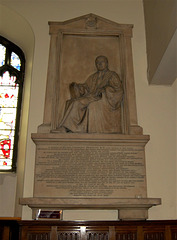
(90, 166)
(91, 171)
(128, 208)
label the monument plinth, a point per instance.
(90, 151)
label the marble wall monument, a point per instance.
(90, 150)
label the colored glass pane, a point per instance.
(8, 96)
(8, 111)
(2, 55)
(15, 61)
(11, 86)
(6, 80)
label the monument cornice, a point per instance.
(108, 138)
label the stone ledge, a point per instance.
(76, 137)
(128, 208)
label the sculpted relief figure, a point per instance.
(94, 106)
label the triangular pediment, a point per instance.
(90, 22)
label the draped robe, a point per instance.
(99, 109)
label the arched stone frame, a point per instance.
(26, 42)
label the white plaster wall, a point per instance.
(159, 32)
(156, 105)
(7, 194)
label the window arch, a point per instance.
(12, 68)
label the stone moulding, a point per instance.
(128, 208)
(121, 138)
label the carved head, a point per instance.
(101, 63)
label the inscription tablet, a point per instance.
(89, 170)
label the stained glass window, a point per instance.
(2, 55)
(11, 83)
(15, 61)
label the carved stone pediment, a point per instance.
(90, 22)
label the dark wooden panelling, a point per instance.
(88, 230)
